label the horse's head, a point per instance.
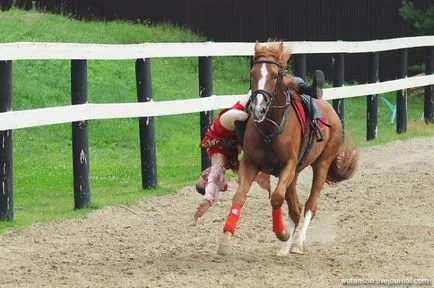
(269, 63)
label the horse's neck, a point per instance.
(276, 114)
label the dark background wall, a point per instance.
(251, 20)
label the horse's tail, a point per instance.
(344, 165)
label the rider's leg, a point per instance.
(228, 118)
(315, 89)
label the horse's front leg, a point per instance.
(277, 199)
(246, 173)
(294, 211)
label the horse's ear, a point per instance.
(257, 46)
(287, 51)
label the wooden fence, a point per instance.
(80, 111)
(251, 20)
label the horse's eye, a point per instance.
(274, 77)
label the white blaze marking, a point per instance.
(263, 80)
(261, 86)
(259, 100)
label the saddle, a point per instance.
(312, 120)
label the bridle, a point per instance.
(270, 105)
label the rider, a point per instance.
(221, 144)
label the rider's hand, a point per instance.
(202, 208)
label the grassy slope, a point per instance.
(42, 155)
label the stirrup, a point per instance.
(318, 135)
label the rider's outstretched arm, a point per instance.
(228, 118)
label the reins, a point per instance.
(267, 137)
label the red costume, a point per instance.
(218, 139)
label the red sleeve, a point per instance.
(238, 106)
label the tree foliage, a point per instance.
(422, 21)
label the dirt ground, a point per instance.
(378, 225)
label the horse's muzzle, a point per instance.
(258, 107)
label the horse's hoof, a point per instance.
(284, 236)
(225, 248)
(283, 252)
(297, 248)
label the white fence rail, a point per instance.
(32, 50)
(67, 114)
(10, 120)
(56, 115)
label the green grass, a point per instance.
(42, 156)
(355, 120)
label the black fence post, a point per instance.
(205, 90)
(146, 125)
(428, 105)
(300, 66)
(401, 96)
(338, 81)
(372, 104)
(6, 5)
(80, 147)
(6, 160)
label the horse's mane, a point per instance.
(275, 50)
(281, 53)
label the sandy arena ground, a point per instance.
(378, 225)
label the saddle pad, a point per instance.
(307, 135)
(304, 111)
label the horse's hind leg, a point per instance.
(320, 170)
(294, 211)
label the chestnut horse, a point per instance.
(273, 143)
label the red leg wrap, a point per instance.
(232, 219)
(277, 217)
